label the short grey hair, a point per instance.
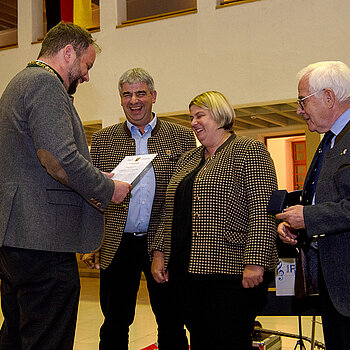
(134, 76)
(333, 75)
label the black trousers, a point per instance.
(219, 313)
(336, 327)
(39, 299)
(119, 286)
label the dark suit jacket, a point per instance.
(329, 220)
(109, 147)
(46, 175)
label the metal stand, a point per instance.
(300, 342)
(313, 333)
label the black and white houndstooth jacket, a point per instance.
(109, 147)
(230, 224)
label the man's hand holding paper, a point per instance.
(121, 189)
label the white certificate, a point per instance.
(131, 167)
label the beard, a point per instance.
(73, 86)
(74, 76)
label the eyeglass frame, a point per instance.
(301, 100)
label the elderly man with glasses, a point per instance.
(323, 219)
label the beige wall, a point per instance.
(250, 52)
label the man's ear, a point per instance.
(329, 98)
(154, 96)
(69, 53)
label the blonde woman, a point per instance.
(216, 242)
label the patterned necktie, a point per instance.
(310, 187)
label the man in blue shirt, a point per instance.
(324, 217)
(131, 225)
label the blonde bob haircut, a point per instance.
(219, 107)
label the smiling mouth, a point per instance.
(138, 108)
(197, 130)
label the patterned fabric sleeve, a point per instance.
(260, 181)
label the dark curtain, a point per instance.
(53, 13)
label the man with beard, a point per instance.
(52, 198)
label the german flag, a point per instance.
(82, 13)
(74, 11)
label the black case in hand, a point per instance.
(282, 199)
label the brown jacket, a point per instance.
(109, 147)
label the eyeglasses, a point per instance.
(301, 100)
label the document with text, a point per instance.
(131, 167)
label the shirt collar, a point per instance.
(340, 123)
(149, 127)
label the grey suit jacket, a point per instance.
(46, 175)
(329, 219)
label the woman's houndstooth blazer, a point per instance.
(230, 224)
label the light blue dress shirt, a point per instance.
(339, 125)
(142, 194)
